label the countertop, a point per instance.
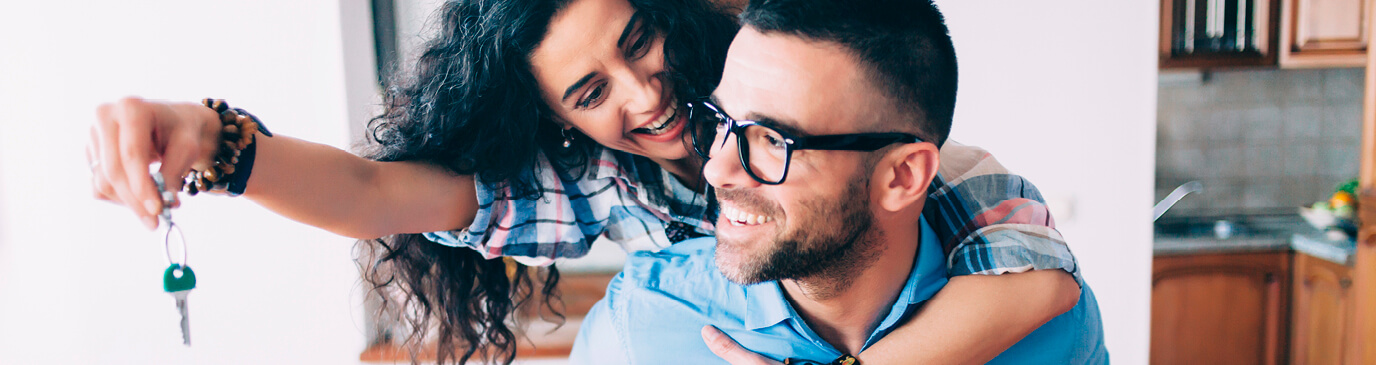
(1268, 234)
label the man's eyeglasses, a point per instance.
(766, 151)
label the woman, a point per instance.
(515, 106)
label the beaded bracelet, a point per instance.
(229, 169)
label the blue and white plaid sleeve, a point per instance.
(991, 221)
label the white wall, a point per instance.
(80, 279)
(1064, 92)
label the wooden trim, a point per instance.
(1362, 345)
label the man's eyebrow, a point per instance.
(784, 124)
(576, 85)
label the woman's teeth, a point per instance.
(739, 218)
(666, 121)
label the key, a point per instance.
(178, 280)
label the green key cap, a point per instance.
(178, 277)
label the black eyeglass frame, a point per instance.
(867, 142)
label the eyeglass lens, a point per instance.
(764, 150)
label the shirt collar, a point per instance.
(766, 306)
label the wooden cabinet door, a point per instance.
(1324, 33)
(1220, 309)
(1322, 311)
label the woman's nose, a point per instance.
(646, 94)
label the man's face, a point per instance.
(819, 218)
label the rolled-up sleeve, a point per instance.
(991, 221)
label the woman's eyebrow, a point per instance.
(626, 32)
(620, 41)
(576, 85)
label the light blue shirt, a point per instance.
(655, 309)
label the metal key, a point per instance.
(178, 280)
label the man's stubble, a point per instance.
(828, 244)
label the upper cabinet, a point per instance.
(1263, 33)
(1324, 33)
(1218, 33)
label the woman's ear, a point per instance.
(903, 175)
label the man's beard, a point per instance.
(832, 239)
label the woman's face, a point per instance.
(601, 69)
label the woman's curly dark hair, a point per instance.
(474, 107)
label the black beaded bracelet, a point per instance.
(229, 170)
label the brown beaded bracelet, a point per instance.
(229, 169)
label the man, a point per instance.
(829, 119)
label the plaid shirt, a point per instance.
(988, 220)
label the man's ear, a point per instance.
(903, 175)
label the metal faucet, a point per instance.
(1179, 193)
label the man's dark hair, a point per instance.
(904, 44)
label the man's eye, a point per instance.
(774, 141)
(593, 97)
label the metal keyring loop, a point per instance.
(165, 217)
(167, 243)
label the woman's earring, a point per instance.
(568, 140)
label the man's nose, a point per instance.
(724, 170)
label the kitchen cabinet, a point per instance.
(1220, 308)
(1218, 33)
(1324, 33)
(1323, 311)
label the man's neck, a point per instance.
(845, 307)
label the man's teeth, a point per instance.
(663, 123)
(739, 218)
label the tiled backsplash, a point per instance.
(1261, 141)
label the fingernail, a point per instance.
(711, 332)
(152, 206)
(150, 222)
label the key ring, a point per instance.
(166, 216)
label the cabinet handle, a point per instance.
(1345, 283)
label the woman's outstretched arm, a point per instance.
(974, 318)
(309, 182)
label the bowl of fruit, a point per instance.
(1337, 215)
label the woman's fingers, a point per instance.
(123, 149)
(727, 349)
(100, 189)
(136, 150)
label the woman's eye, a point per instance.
(593, 97)
(641, 44)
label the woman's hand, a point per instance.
(131, 134)
(727, 349)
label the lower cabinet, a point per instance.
(1220, 308)
(1250, 308)
(1323, 312)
